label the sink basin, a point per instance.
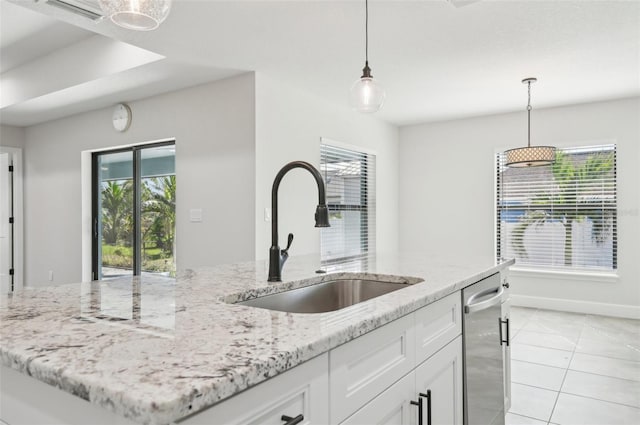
(326, 296)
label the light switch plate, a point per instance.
(195, 215)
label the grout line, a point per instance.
(528, 417)
(544, 346)
(535, 386)
(604, 401)
(604, 376)
(566, 372)
(608, 357)
(538, 364)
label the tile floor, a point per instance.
(573, 369)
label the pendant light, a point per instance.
(531, 156)
(139, 15)
(366, 94)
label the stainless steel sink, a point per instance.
(327, 296)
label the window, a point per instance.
(134, 216)
(350, 182)
(560, 217)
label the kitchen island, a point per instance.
(156, 350)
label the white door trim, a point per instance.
(18, 214)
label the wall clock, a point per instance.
(121, 117)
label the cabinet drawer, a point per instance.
(301, 390)
(392, 407)
(437, 324)
(361, 369)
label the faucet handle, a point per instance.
(289, 241)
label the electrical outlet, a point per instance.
(267, 214)
(50, 275)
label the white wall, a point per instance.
(447, 193)
(11, 136)
(289, 125)
(214, 129)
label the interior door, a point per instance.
(6, 234)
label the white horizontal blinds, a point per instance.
(562, 216)
(350, 178)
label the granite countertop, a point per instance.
(155, 349)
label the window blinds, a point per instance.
(351, 197)
(560, 217)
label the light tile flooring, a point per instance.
(573, 369)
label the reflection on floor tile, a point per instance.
(626, 350)
(532, 402)
(537, 375)
(559, 342)
(617, 368)
(575, 410)
(512, 419)
(605, 388)
(552, 326)
(541, 355)
(594, 361)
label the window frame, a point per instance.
(367, 234)
(564, 272)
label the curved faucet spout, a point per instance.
(321, 216)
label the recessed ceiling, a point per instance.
(435, 60)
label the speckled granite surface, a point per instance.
(156, 350)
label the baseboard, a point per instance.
(575, 306)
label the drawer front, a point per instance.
(363, 368)
(437, 324)
(392, 407)
(302, 390)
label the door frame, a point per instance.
(18, 213)
(136, 150)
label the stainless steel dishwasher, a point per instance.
(482, 346)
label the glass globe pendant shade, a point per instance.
(366, 95)
(139, 15)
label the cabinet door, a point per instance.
(506, 354)
(441, 376)
(302, 390)
(363, 368)
(392, 407)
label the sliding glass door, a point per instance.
(134, 200)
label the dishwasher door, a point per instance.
(483, 339)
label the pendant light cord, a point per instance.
(529, 116)
(366, 32)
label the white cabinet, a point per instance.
(436, 384)
(437, 324)
(392, 407)
(363, 368)
(302, 390)
(375, 379)
(506, 348)
(440, 377)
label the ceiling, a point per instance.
(437, 60)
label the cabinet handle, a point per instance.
(292, 421)
(428, 397)
(508, 337)
(500, 323)
(419, 404)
